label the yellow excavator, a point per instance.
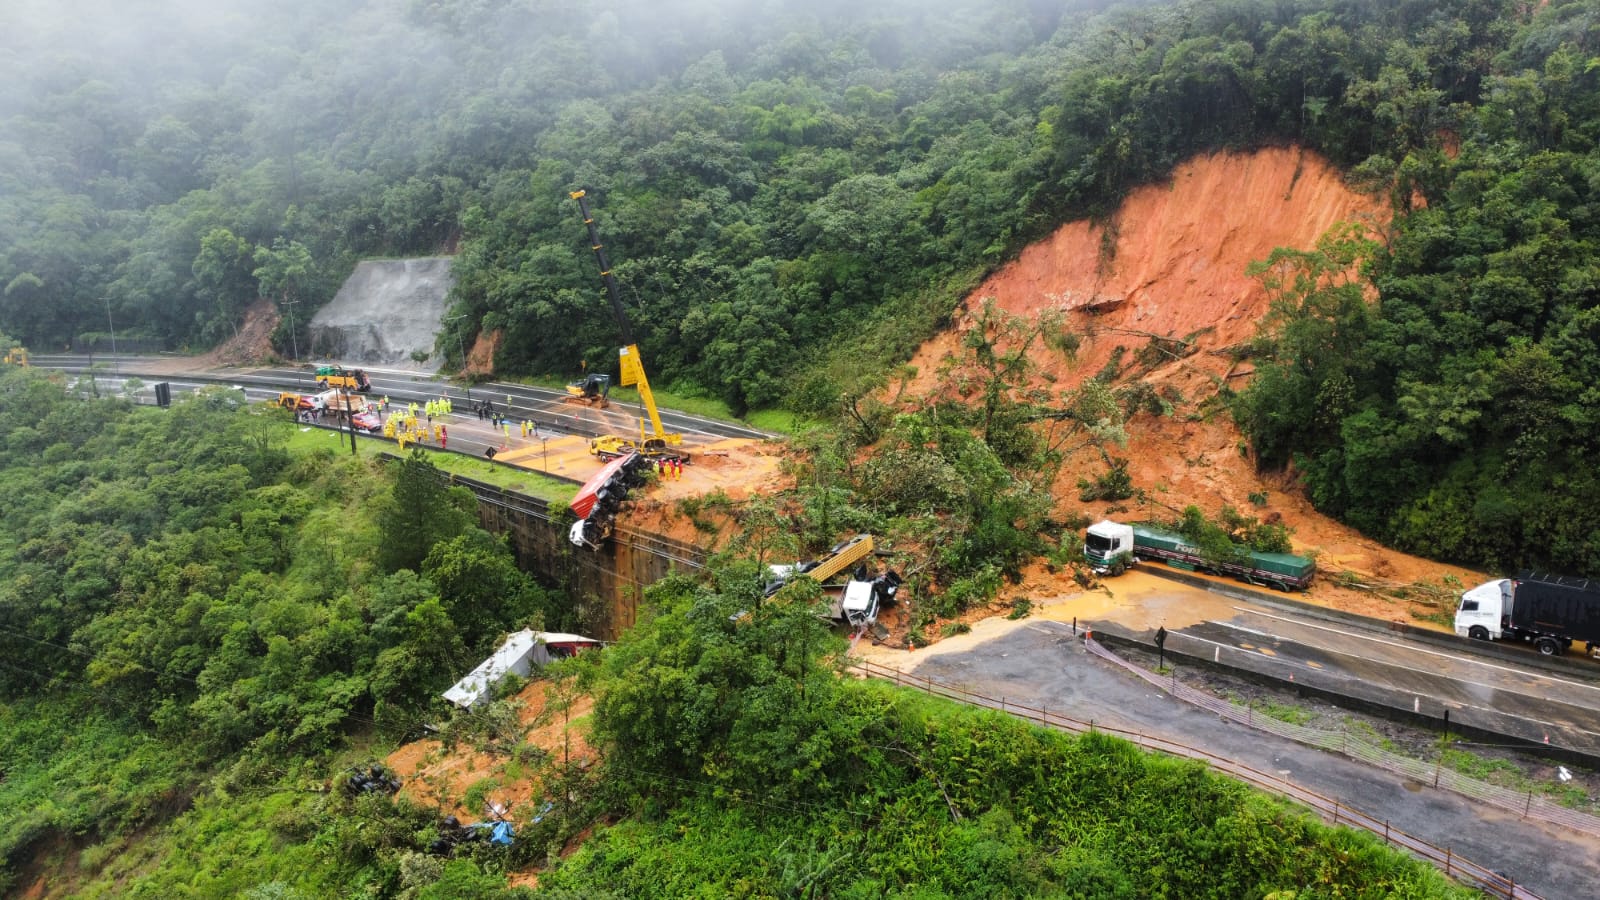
(17, 356)
(656, 444)
(593, 389)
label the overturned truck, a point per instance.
(600, 497)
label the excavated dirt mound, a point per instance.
(1172, 264)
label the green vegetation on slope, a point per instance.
(187, 608)
(741, 764)
(793, 202)
(201, 632)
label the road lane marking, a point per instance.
(1412, 647)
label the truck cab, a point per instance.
(1108, 545)
(1483, 610)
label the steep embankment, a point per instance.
(1172, 264)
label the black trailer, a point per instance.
(1555, 610)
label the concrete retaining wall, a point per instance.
(606, 585)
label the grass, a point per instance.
(781, 421)
(1283, 712)
(778, 420)
(305, 440)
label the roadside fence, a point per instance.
(1334, 811)
(1524, 803)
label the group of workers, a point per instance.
(404, 428)
(669, 469)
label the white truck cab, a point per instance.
(1483, 610)
(1104, 541)
(860, 604)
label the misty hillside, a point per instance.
(796, 196)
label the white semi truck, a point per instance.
(1549, 611)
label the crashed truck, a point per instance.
(863, 595)
(518, 654)
(597, 502)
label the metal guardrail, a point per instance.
(1524, 803)
(1336, 811)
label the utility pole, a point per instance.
(113, 335)
(350, 419)
(294, 339)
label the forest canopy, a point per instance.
(793, 199)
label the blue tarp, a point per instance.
(499, 832)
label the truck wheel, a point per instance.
(1479, 633)
(1549, 646)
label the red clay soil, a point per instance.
(480, 359)
(251, 345)
(438, 776)
(1178, 270)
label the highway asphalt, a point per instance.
(1424, 675)
(1043, 664)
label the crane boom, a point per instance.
(632, 367)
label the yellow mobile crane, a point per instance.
(610, 446)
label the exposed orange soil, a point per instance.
(251, 345)
(1178, 270)
(738, 467)
(1178, 267)
(438, 776)
(480, 359)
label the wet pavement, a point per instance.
(1041, 663)
(1360, 659)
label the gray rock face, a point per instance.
(387, 310)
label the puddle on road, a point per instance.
(1137, 601)
(1412, 786)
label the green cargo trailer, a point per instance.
(1280, 570)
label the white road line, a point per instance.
(1412, 647)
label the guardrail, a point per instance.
(1509, 652)
(1338, 812)
(1524, 803)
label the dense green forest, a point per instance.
(181, 596)
(203, 624)
(794, 199)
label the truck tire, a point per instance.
(1549, 646)
(1478, 633)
